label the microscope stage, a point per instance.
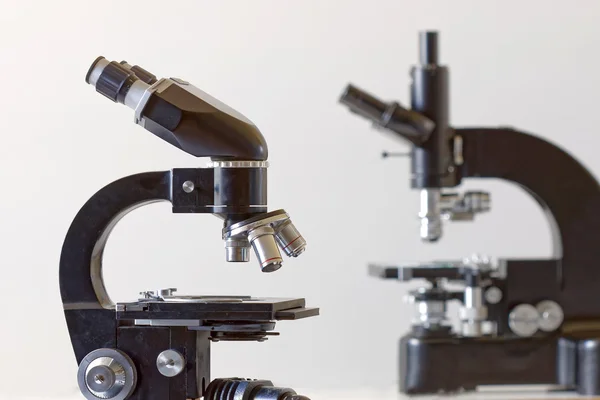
(216, 308)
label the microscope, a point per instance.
(522, 321)
(158, 347)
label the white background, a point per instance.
(532, 65)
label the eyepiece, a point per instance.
(362, 103)
(111, 79)
(409, 124)
(95, 70)
(119, 81)
(263, 241)
(289, 239)
(428, 47)
(141, 73)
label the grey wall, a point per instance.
(532, 65)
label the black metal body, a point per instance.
(136, 341)
(95, 322)
(480, 361)
(431, 160)
(570, 196)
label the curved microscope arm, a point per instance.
(564, 188)
(81, 281)
(569, 195)
(88, 309)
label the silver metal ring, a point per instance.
(243, 227)
(238, 164)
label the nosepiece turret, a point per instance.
(267, 234)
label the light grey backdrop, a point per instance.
(532, 65)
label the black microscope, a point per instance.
(158, 347)
(523, 321)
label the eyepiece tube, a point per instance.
(140, 73)
(363, 104)
(428, 48)
(119, 81)
(409, 124)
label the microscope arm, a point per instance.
(569, 195)
(87, 305)
(81, 258)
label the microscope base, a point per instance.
(579, 364)
(449, 364)
(453, 364)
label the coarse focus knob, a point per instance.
(107, 374)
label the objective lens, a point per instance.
(237, 249)
(289, 239)
(266, 250)
(249, 389)
(431, 222)
(274, 393)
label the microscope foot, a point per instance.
(579, 364)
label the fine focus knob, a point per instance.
(551, 315)
(170, 363)
(523, 320)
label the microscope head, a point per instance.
(179, 113)
(436, 154)
(234, 186)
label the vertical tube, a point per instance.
(431, 162)
(428, 47)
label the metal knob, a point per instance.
(551, 315)
(107, 374)
(523, 320)
(170, 363)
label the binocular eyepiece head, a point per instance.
(179, 113)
